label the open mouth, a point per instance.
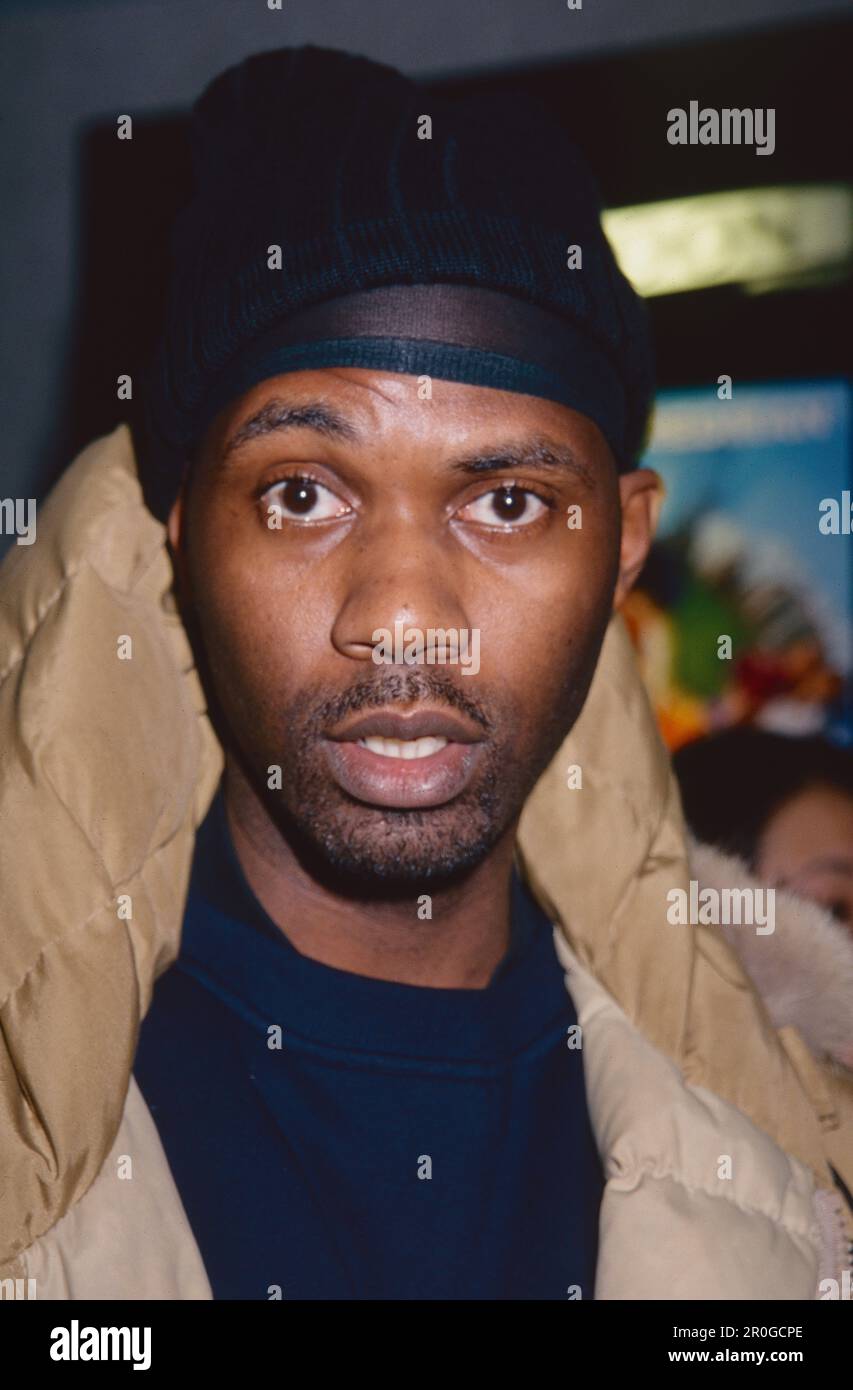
(405, 761)
(406, 748)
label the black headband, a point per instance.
(462, 333)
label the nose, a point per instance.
(400, 573)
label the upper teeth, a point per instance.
(403, 747)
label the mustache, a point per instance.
(389, 688)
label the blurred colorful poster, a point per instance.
(741, 554)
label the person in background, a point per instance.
(782, 804)
(781, 809)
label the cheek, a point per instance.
(543, 616)
(255, 613)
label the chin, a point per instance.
(380, 853)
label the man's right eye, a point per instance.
(302, 499)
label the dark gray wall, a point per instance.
(64, 63)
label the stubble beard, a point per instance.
(383, 853)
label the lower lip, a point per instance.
(404, 783)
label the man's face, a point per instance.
(326, 506)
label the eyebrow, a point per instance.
(278, 416)
(826, 863)
(537, 451)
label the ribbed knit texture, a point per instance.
(318, 152)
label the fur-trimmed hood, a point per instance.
(803, 970)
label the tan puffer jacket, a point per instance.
(109, 765)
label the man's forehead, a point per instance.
(478, 426)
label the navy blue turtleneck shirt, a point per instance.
(402, 1142)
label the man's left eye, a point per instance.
(510, 505)
(303, 499)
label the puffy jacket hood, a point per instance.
(108, 767)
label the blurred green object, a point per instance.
(703, 615)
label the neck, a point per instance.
(458, 947)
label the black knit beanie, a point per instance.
(316, 186)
